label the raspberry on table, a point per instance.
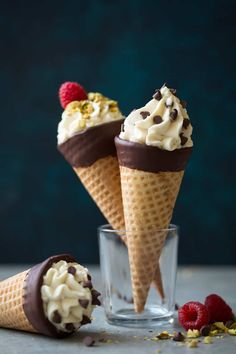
(193, 315)
(71, 91)
(219, 310)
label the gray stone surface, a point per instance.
(193, 283)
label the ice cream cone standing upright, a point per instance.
(33, 300)
(153, 151)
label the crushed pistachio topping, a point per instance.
(96, 97)
(193, 333)
(207, 340)
(113, 106)
(73, 107)
(86, 106)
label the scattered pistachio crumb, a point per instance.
(164, 335)
(207, 340)
(155, 339)
(193, 343)
(214, 333)
(193, 333)
(232, 332)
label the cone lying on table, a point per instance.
(21, 305)
(92, 155)
(150, 182)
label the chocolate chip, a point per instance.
(186, 123)
(183, 139)
(88, 275)
(71, 270)
(84, 303)
(88, 341)
(174, 114)
(145, 114)
(157, 120)
(183, 103)
(56, 318)
(173, 91)
(95, 300)
(157, 95)
(85, 320)
(70, 327)
(205, 330)
(88, 284)
(95, 293)
(178, 337)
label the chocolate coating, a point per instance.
(89, 145)
(33, 304)
(150, 158)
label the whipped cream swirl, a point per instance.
(163, 122)
(68, 296)
(79, 115)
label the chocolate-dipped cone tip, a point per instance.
(150, 158)
(90, 145)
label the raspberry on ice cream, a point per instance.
(71, 91)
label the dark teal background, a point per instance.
(125, 50)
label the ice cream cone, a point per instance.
(12, 314)
(148, 207)
(21, 304)
(102, 181)
(153, 148)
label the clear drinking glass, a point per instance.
(116, 281)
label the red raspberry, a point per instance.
(193, 315)
(71, 91)
(218, 310)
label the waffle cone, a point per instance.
(12, 313)
(102, 181)
(148, 200)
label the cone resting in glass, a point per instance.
(150, 182)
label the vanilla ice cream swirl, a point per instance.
(80, 115)
(163, 122)
(68, 296)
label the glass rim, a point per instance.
(108, 229)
